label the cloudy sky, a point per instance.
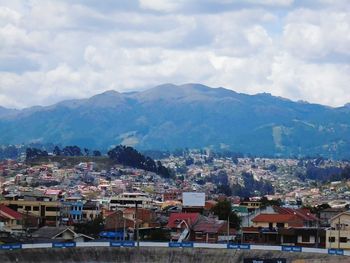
(55, 50)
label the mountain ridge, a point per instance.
(135, 93)
(191, 115)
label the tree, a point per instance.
(266, 202)
(57, 151)
(92, 228)
(223, 209)
(127, 155)
(96, 153)
(72, 151)
(86, 151)
(33, 153)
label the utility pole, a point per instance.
(228, 228)
(137, 225)
(317, 226)
(339, 232)
(116, 224)
(124, 230)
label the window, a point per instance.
(305, 238)
(343, 239)
(35, 208)
(331, 239)
(28, 208)
(199, 234)
(280, 225)
(52, 208)
(211, 235)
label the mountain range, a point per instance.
(169, 117)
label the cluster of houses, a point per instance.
(41, 218)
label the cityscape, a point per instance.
(174, 131)
(207, 197)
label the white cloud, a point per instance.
(312, 34)
(53, 50)
(8, 15)
(162, 5)
(296, 79)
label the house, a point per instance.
(338, 235)
(115, 221)
(209, 230)
(71, 211)
(58, 234)
(10, 220)
(47, 211)
(171, 195)
(146, 217)
(251, 205)
(265, 228)
(285, 226)
(309, 220)
(303, 236)
(197, 228)
(327, 214)
(179, 223)
(90, 210)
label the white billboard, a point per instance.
(193, 199)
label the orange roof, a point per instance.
(274, 218)
(209, 204)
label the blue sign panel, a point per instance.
(333, 251)
(174, 244)
(128, 243)
(180, 244)
(115, 243)
(122, 243)
(238, 246)
(244, 246)
(11, 246)
(63, 244)
(187, 244)
(291, 249)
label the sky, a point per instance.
(56, 50)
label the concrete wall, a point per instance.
(154, 255)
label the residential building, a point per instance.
(338, 235)
(10, 220)
(285, 226)
(58, 234)
(327, 214)
(47, 211)
(126, 200)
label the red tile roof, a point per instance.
(176, 218)
(274, 218)
(302, 213)
(9, 213)
(251, 229)
(210, 225)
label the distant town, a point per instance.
(81, 195)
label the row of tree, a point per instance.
(34, 153)
(75, 151)
(127, 155)
(120, 154)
